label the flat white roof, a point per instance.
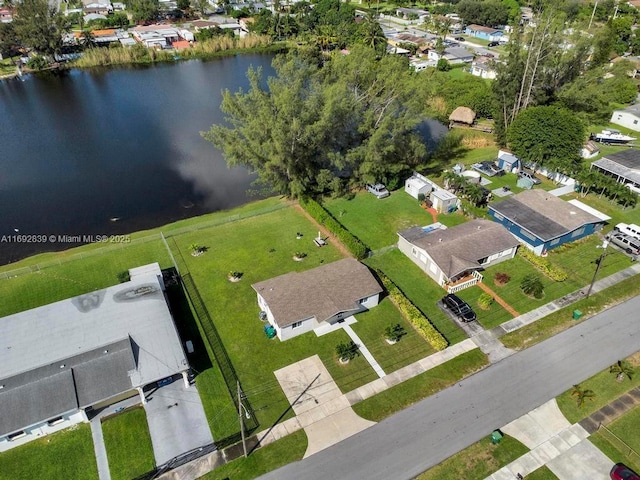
(54, 332)
(591, 210)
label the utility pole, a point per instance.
(244, 441)
(605, 244)
(592, 14)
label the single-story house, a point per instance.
(203, 25)
(628, 117)
(624, 166)
(298, 302)
(453, 55)
(94, 16)
(462, 116)
(542, 221)
(419, 65)
(417, 185)
(6, 15)
(589, 150)
(408, 13)
(454, 257)
(484, 67)
(96, 7)
(508, 161)
(485, 33)
(61, 360)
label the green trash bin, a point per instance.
(577, 314)
(496, 436)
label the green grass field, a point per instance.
(477, 461)
(66, 455)
(542, 473)
(622, 448)
(128, 444)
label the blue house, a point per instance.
(542, 221)
(486, 33)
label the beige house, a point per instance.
(298, 302)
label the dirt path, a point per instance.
(334, 241)
(497, 298)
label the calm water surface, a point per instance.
(82, 148)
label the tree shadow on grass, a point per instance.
(449, 150)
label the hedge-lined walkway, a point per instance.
(327, 234)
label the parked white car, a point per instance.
(379, 190)
(630, 229)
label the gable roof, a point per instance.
(625, 163)
(482, 28)
(459, 248)
(320, 292)
(544, 215)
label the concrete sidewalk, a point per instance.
(364, 350)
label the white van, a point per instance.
(628, 229)
(628, 243)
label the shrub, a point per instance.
(124, 276)
(413, 314)
(300, 255)
(485, 300)
(501, 278)
(347, 350)
(394, 332)
(542, 264)
(532, 285)
(323, 217)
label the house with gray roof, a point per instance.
(66, 358)
(298, 302)
(628, 117)
(624, 166)
(542, 221)
(453, 257)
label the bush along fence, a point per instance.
(413, 314)
(323, 217)
(544, 265)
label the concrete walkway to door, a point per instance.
(364, 351)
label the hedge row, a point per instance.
(545, 266)
(415, 316)
(323, 217)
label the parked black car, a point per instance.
(459, 307)
(493, 44)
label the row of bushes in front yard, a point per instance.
(323, 217)
(413, 314)
(545, 266)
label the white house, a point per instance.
(86, 352)
(627, 117)
(453, 257)
(484, 67)
(417, 185)
(443, 200)
(298, 302)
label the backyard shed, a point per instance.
(416, 185)
(443, 201)
(508, 161)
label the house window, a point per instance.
(432, 267)
(17, 435)
(527, 234)
(577, 232)
(55, 421)
(554, 242)
(296, 324)
(635, 122)
(498, 216)
(414, 252)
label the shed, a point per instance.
(443, 201)
(508, 161)
(589, 150)
(462, 115)
(416, 185)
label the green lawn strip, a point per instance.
(477, 461)
(377, 221)
(271, 241)
(415, 389)
(492, 316)
(286, 450)
(562, 319)
(78, 276)
(420, 289)
(606, 389)
(371, 327)
(542, 473)
(128, 444)
(66, 455)
(603, 204)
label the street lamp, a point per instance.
(605, 244)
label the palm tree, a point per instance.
(622, 369)
(372, 33)
(582, 394)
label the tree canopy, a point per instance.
(39, 26)
(548, 136)
(144, 10)
(319, 129)
(490, 13)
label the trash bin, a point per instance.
(496, 436)
(577, 314)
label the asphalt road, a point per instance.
(413, 440)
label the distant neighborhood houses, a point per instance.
(485, 33)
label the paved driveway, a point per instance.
(583, 460)
(176, 419)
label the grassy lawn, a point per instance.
(626, 429)
(128, 444)
(376, 222)
(617, 213)
(542, 473)
(606, 388)
(419, 288)
(477, 461)
(7, 67)
(275, 455)
(66, 455)
(562, 319)
(370, 328)
(489, 318)
(415, 389)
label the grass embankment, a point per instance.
(66, 455)
(562, 319)
(128, 444)
(415, 389)
(606, 389)
(477, 461)
(275, 455)
(98, 57)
